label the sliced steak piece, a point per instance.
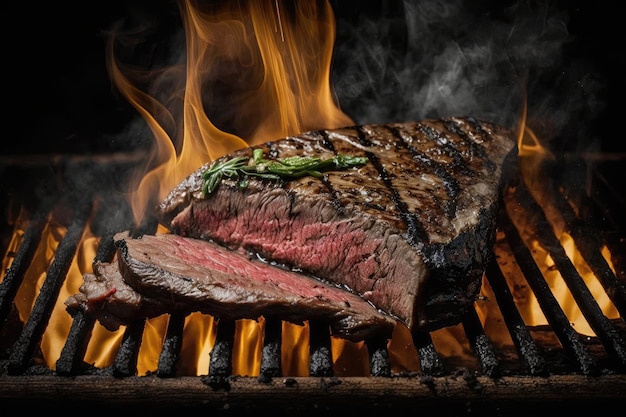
(105, 296)
(164, 273)
(411, 230)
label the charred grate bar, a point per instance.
(480, 344)
(534, 363)
(430, 363)
(602, 326)
(23, 258)
(126, 359)
(220, 366)
(35, 326)
(378, 356)
(588, 242)
(320, 361)
(271, 354)
(171, 346)
(557, 319)
(71, 359)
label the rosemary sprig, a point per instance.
(242, 168)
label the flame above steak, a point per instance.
(273, 59)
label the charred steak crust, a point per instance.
(166, 273)
(411, 231)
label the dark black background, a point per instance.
(58, 97)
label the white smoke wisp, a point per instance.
(435, 58)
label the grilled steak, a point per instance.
(164, 273)
(411, 230)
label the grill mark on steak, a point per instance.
(334, 199)
(350, 195)
(476, 148)
(443, 141)
(416, 233)
(445, 172)
(450, 184)
(326, 140)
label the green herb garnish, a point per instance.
(242, 168)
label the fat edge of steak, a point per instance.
(411, 231)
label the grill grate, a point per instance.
(601, 356)
(557, 319)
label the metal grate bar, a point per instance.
(125, 363)
(106, 249)
(615, 289)
(172, 345)
(600, 324)
(557, 319)
(220, 364)
(23, 257)
(73, 352)
(44, 304)
(429, 360)
(380, 364)
(589, 243)
(271, 354)
(480, 344)
(320, 360)
(533, 362)
(71, 358)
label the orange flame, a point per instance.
(274, 59)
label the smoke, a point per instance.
(420, 59)
(500, 61)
